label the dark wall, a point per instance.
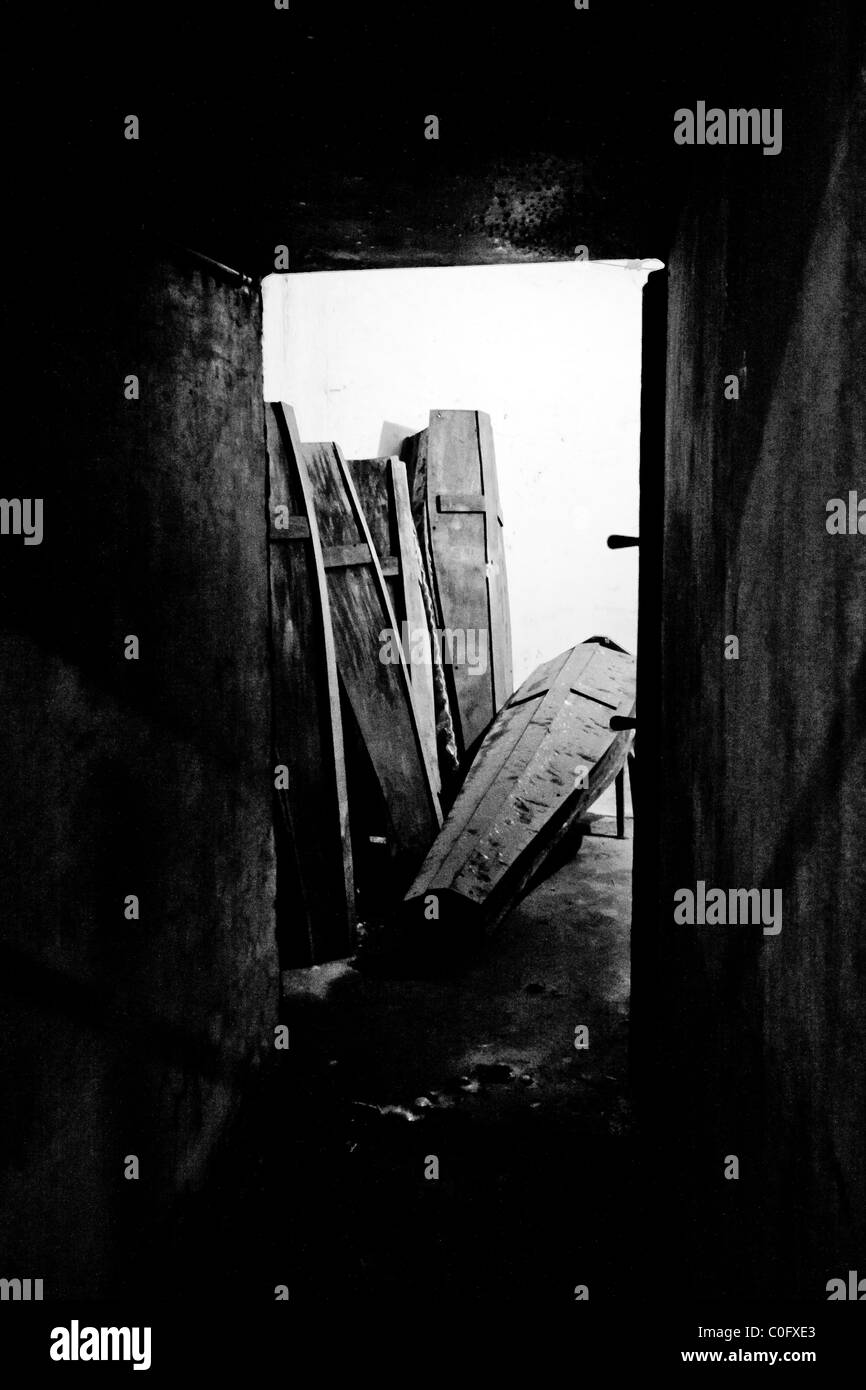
(148, 777)
(764, 758)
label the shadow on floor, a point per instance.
(324, 1186)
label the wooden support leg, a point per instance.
(632, 781)
(620, 804)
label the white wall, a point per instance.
(550, 351)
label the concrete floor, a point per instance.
(496, 1039)
(327, 1190)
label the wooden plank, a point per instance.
(371, 480)
(414, 614)
(522, 794)
(413, 453)
(378, 691)
(308, 736)
(459, 554)
(495, 573)
(383, 492)
(454, 462)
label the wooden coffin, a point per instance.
(378, 692)
(547, 756)
(453, 465)
(315, 894)
(384, 496)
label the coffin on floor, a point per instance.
(545, 759)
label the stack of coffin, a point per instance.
(392, 650)
(353, 732)
(361, 583)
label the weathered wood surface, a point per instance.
(453, 464)
(379, 692)
(383, 492)
(308, 736)
(523, 792)
(335, 556)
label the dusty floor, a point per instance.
(478, 1070)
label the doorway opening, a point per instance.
(551, 352)
(530, 1033)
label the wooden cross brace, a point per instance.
(333, 556)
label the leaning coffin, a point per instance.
(547, 756)
(384, 496)
(377, 690)
(455, 492)
(316, 900)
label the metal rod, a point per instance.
(214, 265)
(619, 784)
(619, 721)
(622, 542)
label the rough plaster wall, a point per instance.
(765, 1035)
(149, 777)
